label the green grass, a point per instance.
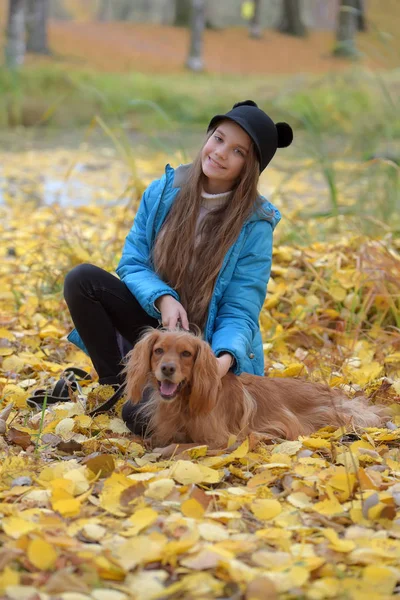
(354, 116)
(57, 97)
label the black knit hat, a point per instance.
(266, 135)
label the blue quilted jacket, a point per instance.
(233, 316)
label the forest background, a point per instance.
(96, 96)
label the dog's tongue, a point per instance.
(168, 388)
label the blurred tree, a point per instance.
(347, 25)
(195, 58)
(15, 45)
(105, 12)
(255, 30)
(36, 22)
(361, 19)
(123, 10)
(183, 12)
(291, 21)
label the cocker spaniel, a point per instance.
(191, 404)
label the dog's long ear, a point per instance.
(205, 381)
(138, 365)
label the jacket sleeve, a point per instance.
(239, 309)
(135, 268)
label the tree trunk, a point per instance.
(183, 13)
(361, 20)
(346, 29)
(255, 30)
(195, 59)
(37, 15)
(291, 22)
(125, 10)
(105, 12)
(15, 47)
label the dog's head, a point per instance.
(176, 363)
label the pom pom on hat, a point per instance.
(245, 103)
(285, 134)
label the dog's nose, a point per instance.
(168, 369)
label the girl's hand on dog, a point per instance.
(172, 312)
(224, 364)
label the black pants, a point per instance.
(101, 306)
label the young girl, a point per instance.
(199, 252)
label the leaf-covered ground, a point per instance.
(87, 512)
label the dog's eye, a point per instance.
(158, 351)
(186, 353)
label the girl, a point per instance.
(199, 252)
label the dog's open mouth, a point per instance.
(169, 389)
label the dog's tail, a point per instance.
(360, 413)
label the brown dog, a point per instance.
(190, 403)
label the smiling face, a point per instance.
(172, 360)
(224, 156)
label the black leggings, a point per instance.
(101, 306)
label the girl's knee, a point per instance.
(75, 277)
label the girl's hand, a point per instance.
(172, 312)
(225, 362)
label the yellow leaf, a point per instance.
(51, 331)
(110, 495)
(65, 427)
(344, 482)
(367, 373)
(328, 508)
(160, 489)
(299, 500)
(210, 475)
(186, 472)
(14, 364)
(213, 532)
(315, 443)
(69, 507)
(6, 334)
(14, 393)
(141, 519)
(16, 527)
(118, 426)
(263, 478)
(207, 558)
(337, 292)
(5, 351)
(289, 448)
(294, 370)
(41, 554)
(266, 509)
(241, 451)
(326, 587)
(381, 578)
(197, 452)
(337, 544)
(140, 550)
(93, 532)
(192, 508)
(8, 577)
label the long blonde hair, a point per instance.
(192, 270)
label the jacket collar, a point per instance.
(181, 174)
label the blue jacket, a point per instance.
(233, 317)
